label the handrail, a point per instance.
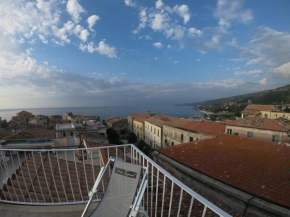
(72, 167)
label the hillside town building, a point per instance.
(184, 130)
(277, 130)
(264, 111)
(131, 117)
(117, 123)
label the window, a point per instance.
(250, 134)
(181, 137)
(191, 139)
(266, 115)
(276, 138)
(229, 131)
(154, 130)
(158, 133)
(151, 129)
(172, 134)
(165, 141)
(71, 133)
(64, 134)
(172, 143)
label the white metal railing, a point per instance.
(66, 176)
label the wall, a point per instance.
(153, 135)
(167, 134)
(138, 129)
(265, 135)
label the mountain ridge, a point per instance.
(272, 96)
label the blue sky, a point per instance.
(136, 52)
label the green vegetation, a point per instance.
(144, 147)
(132, 138)
(113, 136)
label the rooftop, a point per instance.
(143, 115)
(256, 167)
(280, 124)
(204, 127)
(260, 107)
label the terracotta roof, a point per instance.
(257, 167)
(177, 122)
(24, 112)
(251, 112)
(260, 107)
(140, 119)
(160, 119)
(262, 123)
(114, 120)
(204, 127)
(143, 115)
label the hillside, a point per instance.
(274, 96)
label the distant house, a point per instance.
(117, 123)
(68, 116)
(131, 117)
(139, 127)
(39, 119)
(154, 129)
(264, 111)
(277, 130)
(184, 130)
(22, 116)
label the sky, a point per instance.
(64, 53)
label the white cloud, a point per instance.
(159, 4)
(182, 11)
(158, 45)
(233, 10)
(75, 10)
(130, 3)
(159, 22)
(237, 59)
(251, 72)
(92, 21)
(263, 81)
(169, 46)
(192, 32)
(175, 62)
(82, 33)
(102, 48)
(143, 21)
(42, 38)
(283, 70)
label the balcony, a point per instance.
(63, 178)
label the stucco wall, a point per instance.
(153, 135)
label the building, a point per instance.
(277, 130)
(39, 119)
(139, 127)
(251, 175)
(264, 111)
(22, 116)
(68, 116)
(131, 117)
(184, 130)
(154, 130)
(117, 123)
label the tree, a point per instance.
(144, 147)
(132, 138)
(113, 136)
(123, 131)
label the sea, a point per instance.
(106, 112)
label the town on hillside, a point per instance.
(247, 158)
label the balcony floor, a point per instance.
(8, 210)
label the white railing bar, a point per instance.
(64, 189)
(16, 177)
(190, 206)
(20, 165)
(101, 167)
(147, 198)
(3, 174)
(85, 171)
(204, 211)
(69, 177)
(44, 172)
(180, 200)
(157, 181)
(6, 171)
(163, 195)
(53, 178)
(78, 180)
(93, 168)
(171, 196)
(108, 161)
(36, 171)
(201, 199)
(151, 189)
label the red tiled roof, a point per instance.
(177, 122)
(205, 127)
(261, 123)
(260, 107)
(257, 167)
(143, 115)
(140, 119)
